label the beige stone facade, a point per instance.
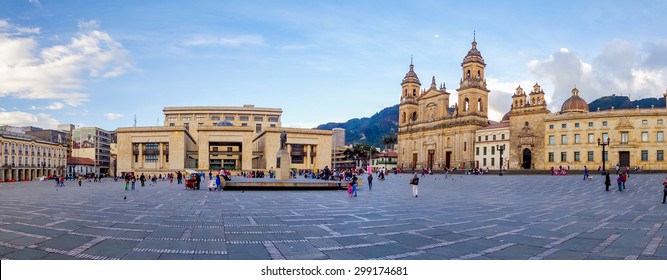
(569, 139)
(210, 138)
(433, 135)
(308, 148)
(24, 157)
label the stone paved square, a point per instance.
(511, 217)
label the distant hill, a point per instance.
(368, 130)
(623, 102)
(371, 130)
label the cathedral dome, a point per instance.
(411, 76)
(506, 117)
(474, 55)
(574, 103)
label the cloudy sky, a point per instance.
(103, 62)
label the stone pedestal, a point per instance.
(282, 165)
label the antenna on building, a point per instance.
(135, 120)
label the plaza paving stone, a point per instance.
(459, 217)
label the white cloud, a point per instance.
(113, 116)
(229, 41)
(52, 106)
(58, 72)
(35, 3)
(18, 118)
(8, 28)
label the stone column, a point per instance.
(160, 159)
(140, 162)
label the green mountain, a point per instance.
(368, 130)
(371, 130)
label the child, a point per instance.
(619, 181)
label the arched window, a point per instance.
(521, 103)
(466, 105)
(539, 102)
(414, 116)
(479, 74)
(403, 119)
(468, 75)
(414, 92)
(532, 101)
(405, 93)
(516, 103)
(479, 105)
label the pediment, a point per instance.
(624, 123)
(432, 93)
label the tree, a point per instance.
(389, 141)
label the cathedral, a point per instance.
(433, 135)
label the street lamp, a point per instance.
(603, 144)
(501, 149)
(43, 166)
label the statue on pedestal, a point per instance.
(283, 140)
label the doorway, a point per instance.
(431, 156)
(624, 158)
(448, 159)
(414, 161)
(527, 158)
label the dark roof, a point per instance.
(80, 161)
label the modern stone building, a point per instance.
(25, 157)
(92, 143)
(433, 135)
(210, 138)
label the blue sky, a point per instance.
(102, 62)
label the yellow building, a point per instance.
(569, 139)
(210, 138)
(24, 157)
(432, 135)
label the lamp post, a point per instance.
(43, 166)
(603, 144)
(501, 149)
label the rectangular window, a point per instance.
(563, 139)
(590, 124)
(604, 123)
(660, 121)
(494, 137)
(493, 150)
(215, 118)
(644, 155)
(258, 128)
(551, 126)
(244, 118)
(552, 140)
(172, 124)
(605, 136)
(272, 125)
(551, 156)
(186, 118)
(577, 156)
(244, 124)
(577, 139)
(297, 159)
(477, 150)
(484, 162)
(201, 118)
(502, 136)
(644, 136)
(493, 161)
(151, 158)
(486, 138)
(479, 138)
(229, 117)
(484, 152)
(576, 124)
(624, 137)
(660, 156)
(171, 118)
(150, 146)
(605, 156)
(229, 149)
(259, 118)
(661, 136)
(563, 156)
(273, 119)
(591, 156)
(563, 125)
(591, 138)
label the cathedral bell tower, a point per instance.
(473, 95)
(408, 107)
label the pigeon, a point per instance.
(242, 191)
(125, 197)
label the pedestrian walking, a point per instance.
(415, 185)
(127, 181)
(607, 181)
(354, 185)
(664, 191)
(62, 181)
(370, 181)
(133, 180)
(625, 178)
(218, 183)
(585, 172)
(80, 179)
(142, 178)
(619, 181)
